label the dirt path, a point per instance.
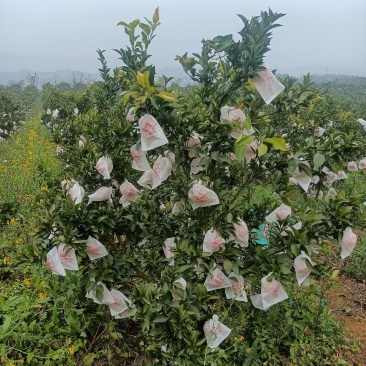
(347, 300)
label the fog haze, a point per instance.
(321, 36)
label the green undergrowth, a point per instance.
(356, 266)
(28, 167)
(301, 331)
(44, 319)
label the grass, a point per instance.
(44, 319)
(28, 165)
(28, 168)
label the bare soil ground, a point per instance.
(347, 300)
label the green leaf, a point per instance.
(5, 244)
(154, 102)
(152, 73)
(89, 359)
(318, 160)
(146, 78)
(247, 123)
(146, 28)
(294, 249)
(72, 320)
(160, 319)
(167, 96)
(185, 268)
(227, 266)
(310, 108)
(278, 143)
(194, 309)
(126, 97)
(122, 23)
(240, 145)
(222, 69)
(285, 269)
(305, 168)
(335, 273)
(178, 285)
(30, 357)
(99, 292)
(276, 176)
(55, 314)
(134, 24)
(224, 42)
(229, 217)
(205, 160)
(262, 149)
(6, 324)
(102, 218)
(140, 78)
(235, 268)
(215, 155)
(156, 15)
(292, 165)
(287, 201)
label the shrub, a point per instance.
(163, 248)
(356, 267)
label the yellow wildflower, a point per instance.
(44, 188)
(6, 260)
(18, 240)
(42, 295)
(27, 281)
(71, 350)
(12, 221)
(10, 364)
(43, 284)
(35, 230)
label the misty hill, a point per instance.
(330, 78)
(339, 79)
(14, 63)
(54, 77)
(321, 70)
(73, 76)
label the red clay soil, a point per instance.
(347, 300)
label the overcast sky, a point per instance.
(54, 34)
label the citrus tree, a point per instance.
(160, 211)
